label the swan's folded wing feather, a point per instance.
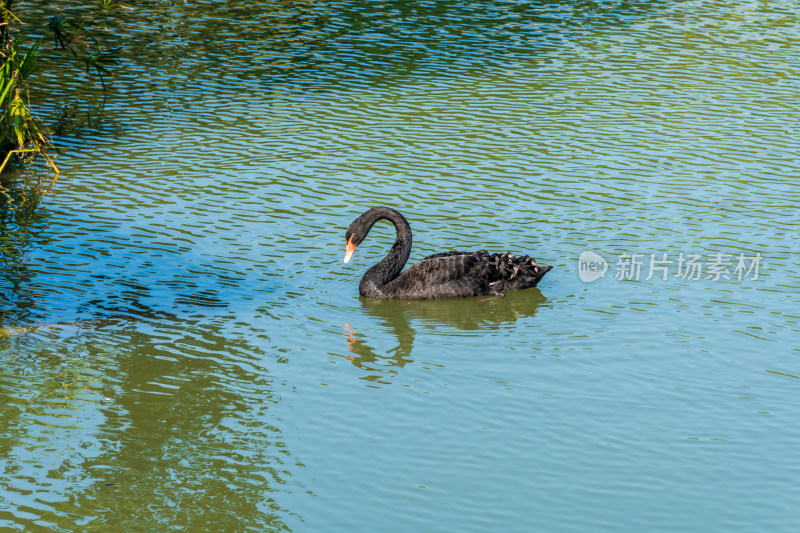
(443, 267)
(451, 274)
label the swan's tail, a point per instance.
(516, 273)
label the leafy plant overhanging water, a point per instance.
(22, 134)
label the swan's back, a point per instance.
(461, 274)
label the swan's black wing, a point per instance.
(447, 266)
(493, 268)
(458, 274)
(442, 275)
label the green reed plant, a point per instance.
(21, 134)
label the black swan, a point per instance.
(442, 275)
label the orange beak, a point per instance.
(348, 253)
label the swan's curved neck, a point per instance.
(390, 266)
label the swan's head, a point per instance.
(354, 236)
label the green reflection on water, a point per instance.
(126, 433)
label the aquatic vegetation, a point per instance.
(21, 133)
(23, 138)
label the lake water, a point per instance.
(184, 350)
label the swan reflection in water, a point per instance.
(404, 320)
